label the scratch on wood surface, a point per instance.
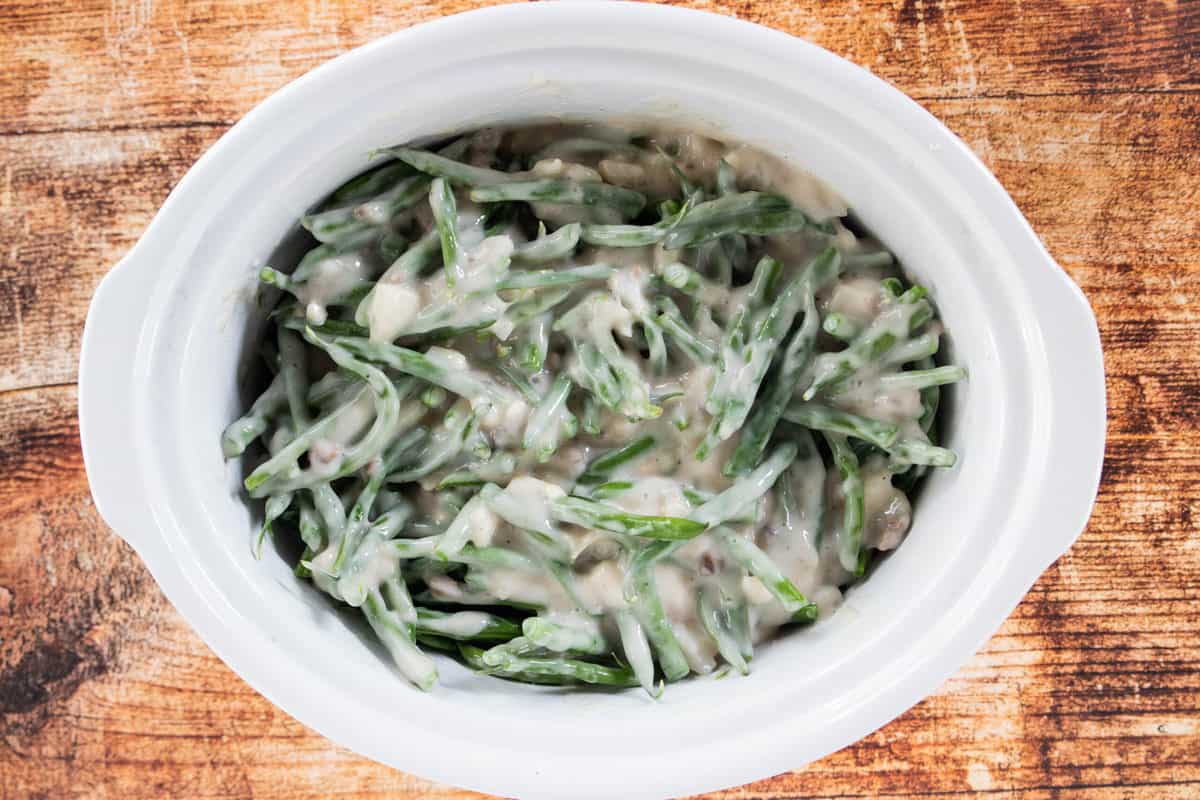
(971, 83)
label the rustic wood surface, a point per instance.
(1089, 113)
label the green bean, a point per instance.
(850, 541)
(766, 415)
(591, 372)
(575, 634)
(716, 617)
(456, 536)
(931, 398)
(329, 328)
(898, 320)
(453, 171)
(517, 513)
(300, 570)
(864, 261)
(445, 217)
(293, 366)
(276, 506)
(610, 489)
(760, 565)
(349, 565)
(923, 378)
(840, 326)
(726, 179)
(444, 444)
(601, 516)
(369, 184)
(466, 597)
(748, 489)
(637, 649)
(914, 451)
(349, 243)
(755, 213)
(465, 625)
(445, 368)
(601, 368)
(282, 472)
(553, 671)
(434, 397)
(550, 247)
(391, 522)
(642, 593)
(525, 310)
(496, 467)
(762, 284)
(418, 258)
(623, 235)
(499, 219)
(589, 420)
(280, 280)
(397, 638)
(493, 557)
(531, 355)
(338, 223)
(698, 497)
(332, 386)
(554, 190)
(548, 278)
(917, 348)
(693, 284)
(395, 593)
(330, 509)
(758, 425)
(435, 642)
(521, 381)
(238, 436)
(745, 361)
(312, 529)
(405, 549)
(550, 422)
(687, 189)
(601, 468)
(801, 490)
(656, 344)
(825, 418)
(688, 341)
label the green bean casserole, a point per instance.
(582, 404)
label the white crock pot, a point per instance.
(169, 328)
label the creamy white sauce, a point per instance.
(391, 307)
(561, 213)
(655, 496)
(462, 624)
(858, 298)
(758, 170)
(802, 542)
(331, 279)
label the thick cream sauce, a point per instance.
(803, 543)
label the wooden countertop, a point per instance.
(1088, 112)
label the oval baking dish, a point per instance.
(169, 327)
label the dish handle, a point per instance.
(112, 337)
(1078, 412)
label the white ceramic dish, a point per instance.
(166, 330)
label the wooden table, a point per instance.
(1088, 112)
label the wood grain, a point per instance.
(1088, 112)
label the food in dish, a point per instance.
(579, 404)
